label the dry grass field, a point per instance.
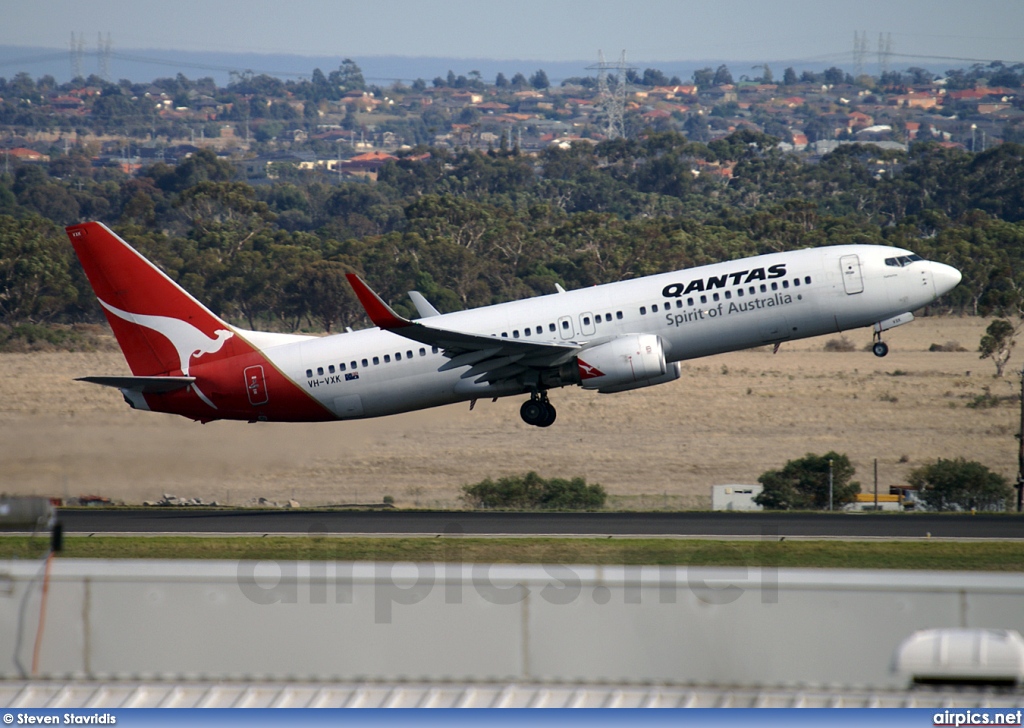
(727, 420)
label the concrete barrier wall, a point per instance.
(187, 620)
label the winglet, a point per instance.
(379, 312)
(422, 305)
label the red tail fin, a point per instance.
(159, 326)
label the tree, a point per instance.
(500, 81)
(321, 86)
(802, 484)
(722, 76)
(539, 80)
(35, 273)
(834, 76)
(997, 343)
(955, 485)
(703, 78)
(919, 76)
(789, 77)
(818, 128)
(348, 77)
(202, 166)
(322, 292)
(696, 128)
(654, 77)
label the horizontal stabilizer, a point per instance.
(145, 385)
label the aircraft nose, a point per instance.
(946, 278)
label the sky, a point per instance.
(774, 31)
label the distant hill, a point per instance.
(140, 65)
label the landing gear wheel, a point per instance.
(549, 415)
(533, 412)
(537, 411)
(880, 348)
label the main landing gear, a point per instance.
(879, 348)
(537, 411)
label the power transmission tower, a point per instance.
(77, 48)
(884, 52)
(613, 97)
(860, 51)
(103, 55)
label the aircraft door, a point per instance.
(256, 385)
(565, 329)
(853, 278)
(587, 325)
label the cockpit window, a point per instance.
(902, 261)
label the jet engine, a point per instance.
(628, 362)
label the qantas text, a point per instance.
(675, 290)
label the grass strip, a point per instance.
(925, 554)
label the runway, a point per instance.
(711, 525)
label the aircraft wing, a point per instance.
(490, 358)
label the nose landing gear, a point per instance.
(537, 411)
(879, 348)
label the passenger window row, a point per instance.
(740, 292)
(355, 364)
(539, 330)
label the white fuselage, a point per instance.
(696, 312)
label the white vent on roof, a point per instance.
(962, 656)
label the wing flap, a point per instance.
(490, 365)
(468, 358)
(498, 373)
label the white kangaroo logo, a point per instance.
(187, 340)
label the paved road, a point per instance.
(155, 520)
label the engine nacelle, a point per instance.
(628, 362)
(672, 373)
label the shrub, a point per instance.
(842, 344)
(985, 400)
(948, 346)
(952, 485)
(532, 492)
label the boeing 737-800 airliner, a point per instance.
(610, 338)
